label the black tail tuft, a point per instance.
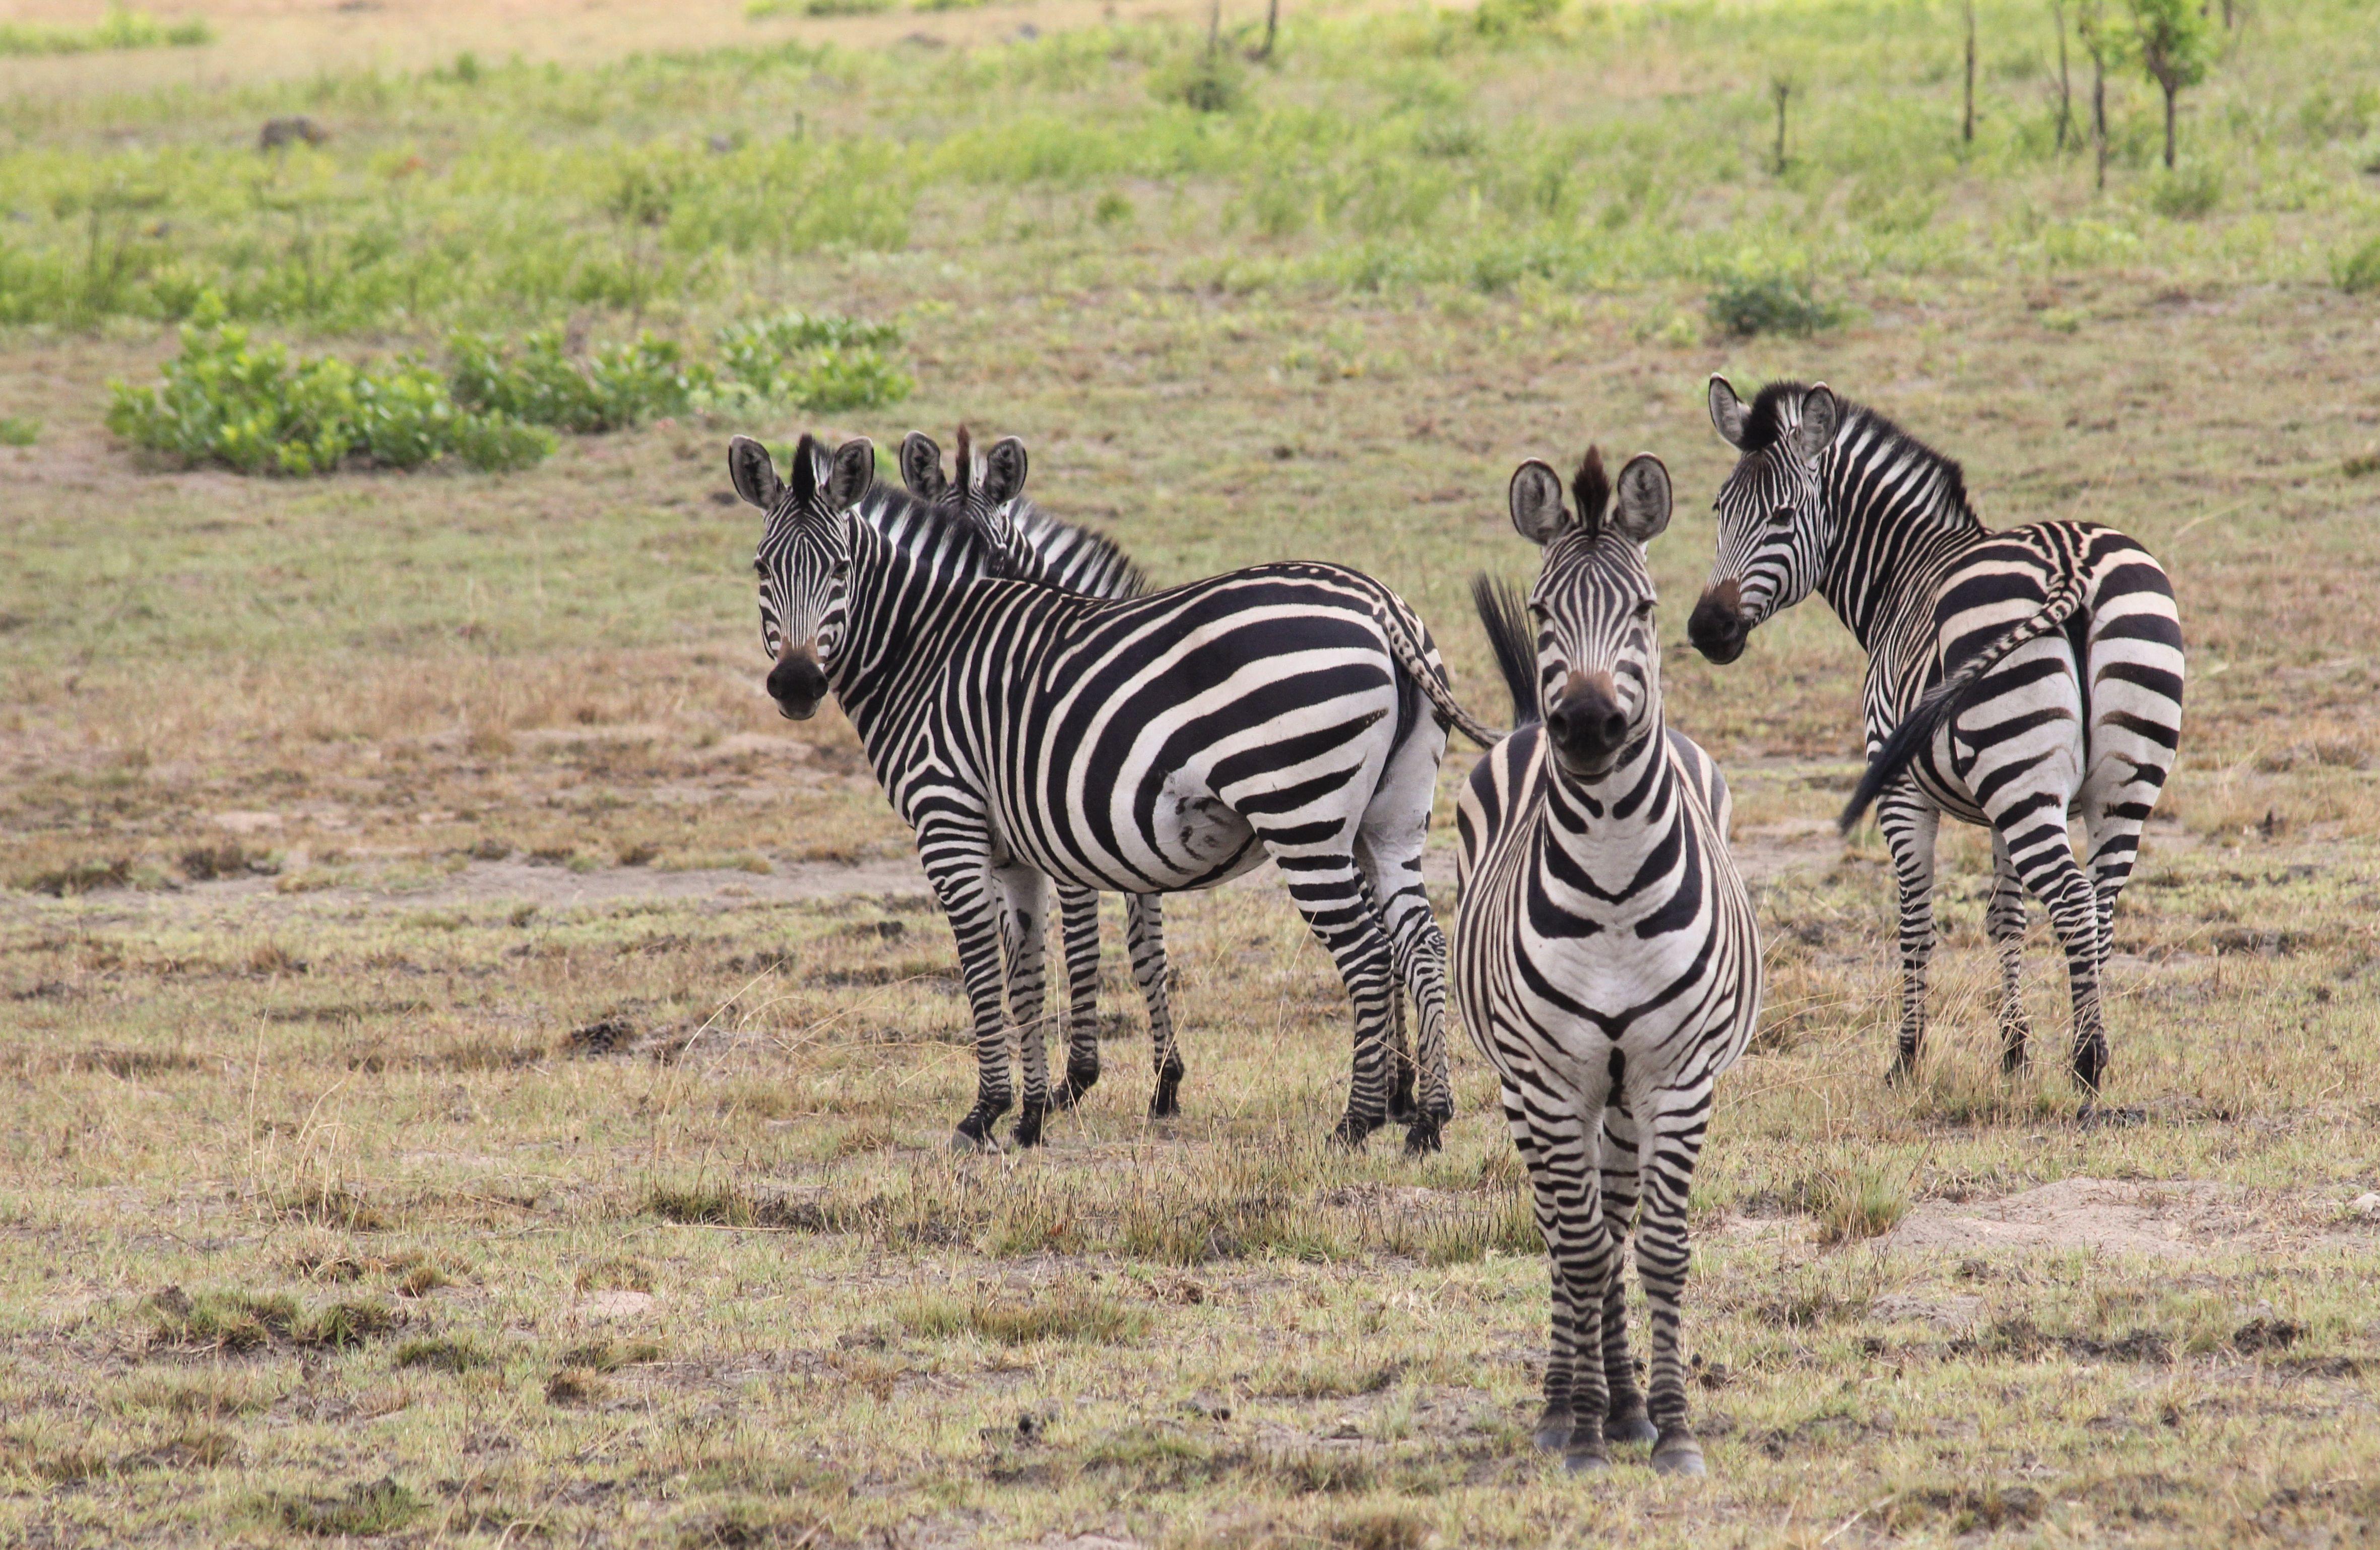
(1914, 732)
(1505, 617)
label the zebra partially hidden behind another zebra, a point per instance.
(2015, 677)
(1142, 745)
(1607, 957)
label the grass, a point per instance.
(120, 29)
(479, 1074)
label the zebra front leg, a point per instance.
(958, 868)
(1910, 822)
(1143, 920)
(1022, 926)
(1556, 1161)
(1569, 1215)
(1674, 1131)
(2004, 922)
(1078, 918)
(1626, 1420)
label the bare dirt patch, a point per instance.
(2189, 1218)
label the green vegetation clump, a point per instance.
(382, 1506)
(120, 29)
(19, 431)
(2189, 194)
(2358, 269)
(1749, 305)
(254, 408)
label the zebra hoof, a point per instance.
(1423, 1137)
(1586, 1463)
(1630, 1424)
(1079, 1079)
(1551, 1439)
(1683, 1457)
(2013, 1056)
(1350, 1134)
(962, 1142)
(1028, 1130)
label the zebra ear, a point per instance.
(853, 470)
(1820, 414)
(1536, 497)
(1643, 508)
(921, 468)
(1728, 412)
(1004, 473)
(754, 473)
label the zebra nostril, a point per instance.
(1615, 727)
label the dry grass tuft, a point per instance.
(1069, 1313)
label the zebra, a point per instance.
(1608, 960)
(1055, 553)
(1139, 746)
(2015, 677)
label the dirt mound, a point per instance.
(2109, 1215)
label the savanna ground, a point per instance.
(478, 1075)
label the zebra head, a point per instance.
(985, 494)
(1774, 529)
(805, 558)
(1599, 660)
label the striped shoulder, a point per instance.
(1700, 772)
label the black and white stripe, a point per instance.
(1142, 745)
(2015, 677)
(1607, 957)
(1049, 553)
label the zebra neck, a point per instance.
(1900, 516)
(1592, 818)
(900, 606)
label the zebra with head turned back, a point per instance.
(2015, 677)
(1607, 959)
(1054, 553)
(1139, 746)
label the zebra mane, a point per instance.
(1060, 546)
(1590, 491)
(1765, 423)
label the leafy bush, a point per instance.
(813, 361)
(1211, 80)
(2188, 194)
(617, 386)
(2358, 271)
(256, 409)
(1771, 304)
(1507, 19)
(17, 431)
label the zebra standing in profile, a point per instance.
(1054, 553)
(1142, 745)
(2015, 677)
(1607, 959)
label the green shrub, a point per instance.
(17, 431)
(255, 409)
(1506, 19)
(2189, 194)
(2358, 269)
(1211, 80)
(812, 361)
(1748, 304)
(616, 386)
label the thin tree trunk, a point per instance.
(2099, 114)
(2168, 128)
(1215, 28)
(1782, 91)
(2065, 91)
(1272, 24)
(1967, 124)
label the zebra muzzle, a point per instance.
(1718, 627)
(797, 683)
(1588, 725)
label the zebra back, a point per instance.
(1049, 551)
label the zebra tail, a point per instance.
(1408, 653)
(1506, 620)
(1943, 700)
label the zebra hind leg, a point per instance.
(1022, 930)
(1078, 915)
(1418, 951)
(1332, 892)
(1144, 918)
(2004, 922)
(2044, 857)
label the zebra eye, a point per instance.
(1644, 609)
(1784, 517)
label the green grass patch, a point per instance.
(1070, 1314)
(121, 28)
